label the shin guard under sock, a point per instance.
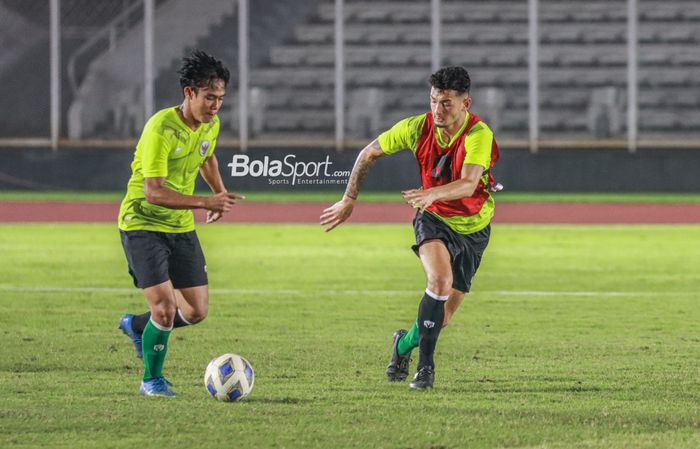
(431, 313)
(155, 346)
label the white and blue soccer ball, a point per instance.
(229, 378)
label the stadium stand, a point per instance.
(116, 67)
(582, 64)
(17, 36)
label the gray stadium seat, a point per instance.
(583, 48)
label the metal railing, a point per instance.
(104, 39)
(135, 14)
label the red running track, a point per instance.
(521, 213)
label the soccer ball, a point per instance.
(229, 378)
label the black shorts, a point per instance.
(465, 249)
(155, 257)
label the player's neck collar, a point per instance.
(446, 143)
(179, 110)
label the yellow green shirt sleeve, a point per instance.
(155, 150)
(478, 145)
(404, 134)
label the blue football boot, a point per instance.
(157, 387)
(125, 326)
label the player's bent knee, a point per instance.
(199, 311)
(164, 314)
(198, 316)
(440, 284)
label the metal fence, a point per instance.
(546, 73)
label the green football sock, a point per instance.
(409, 340)
(154, 342)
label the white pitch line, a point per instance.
(590, 293)
(270, 292)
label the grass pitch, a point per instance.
(574, 337)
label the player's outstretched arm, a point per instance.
(341, 211)
(158, 193)
(210, 172)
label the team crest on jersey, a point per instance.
(203, 148)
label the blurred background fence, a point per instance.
(542, 70)
(614, 74)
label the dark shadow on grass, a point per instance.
(287, 400)
(493, 386)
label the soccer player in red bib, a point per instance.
(455, 151)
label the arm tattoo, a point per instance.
(362, 166)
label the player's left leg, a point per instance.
(192, 304)
(188, 270)
(452, 304)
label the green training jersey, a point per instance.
(478, 147)
(169, 149)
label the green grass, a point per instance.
(574, 337)
(378, 197)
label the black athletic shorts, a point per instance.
(465, 249)
(155, 257)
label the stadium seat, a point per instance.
(387, 53)
(606, 112)
(490, 38)
(365, 106)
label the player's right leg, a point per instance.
(163, 305)
(192, 307)
(147, 255)
(155, 257)
(436, 262)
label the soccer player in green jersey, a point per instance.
(455, 152)
(156, 222)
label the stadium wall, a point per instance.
(551, 170)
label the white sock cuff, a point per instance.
(182, 317)
(435, 296)
(160, 327)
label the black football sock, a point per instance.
(138, 323)
(431, 312)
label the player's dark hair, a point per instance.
(200, 70)
(451, 78)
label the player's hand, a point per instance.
(337, 213)
(213, 216)
(419, 198)
(222, 201)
